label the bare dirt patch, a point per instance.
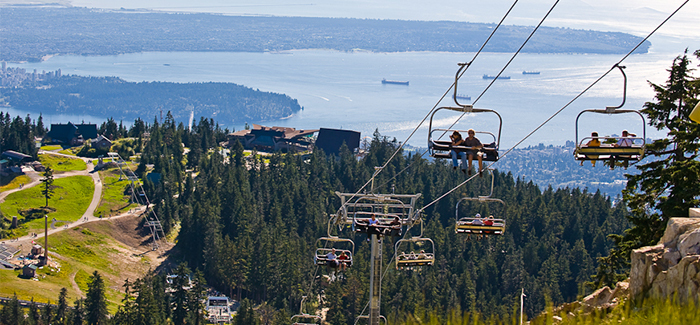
(133, 249)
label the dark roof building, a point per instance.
(16, 156)
(274, 138)
(330, 140)
(72, 134)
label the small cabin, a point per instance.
(37, 250)
(29, 271)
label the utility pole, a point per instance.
(46, 240)
(375, 280)
(522, 296)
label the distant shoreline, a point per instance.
(35, 33)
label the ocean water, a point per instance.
(344, 90)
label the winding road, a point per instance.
(88, 216)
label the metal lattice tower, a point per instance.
(138, 195)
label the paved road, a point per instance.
(88, 216)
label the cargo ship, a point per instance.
(394, 82)
(531, 72)
(494, 77)
(465, 97)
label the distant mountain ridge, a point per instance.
(30, 33)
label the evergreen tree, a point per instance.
(12, 312)
(78, 312)
(246, 315)
(33, 314)
(196, 296)
(666, 186)
(46, 314)
(61, 308)
(96, 301)
(47, 188)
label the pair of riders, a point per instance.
(473, 146)
(623, 142)
(335, 261)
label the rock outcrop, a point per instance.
(671, 268)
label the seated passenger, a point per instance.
(489, 221)
(422, 255)
(595, 142)
(331, 259)
(372, 226)
(477, 221)
(394, 227)
(343, 261)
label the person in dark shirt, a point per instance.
(475, 145)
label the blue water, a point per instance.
(344, 90)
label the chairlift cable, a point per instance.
(487, 87)
(506, 65)
(561, 109)
(438, 102)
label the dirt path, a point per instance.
(88, 216)
(74, 285)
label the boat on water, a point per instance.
(531, 72)
(394, 82)
(494, 77)
(465, 97)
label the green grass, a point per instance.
(80, 252)
(113, 200)
(50, 147)
(70, 152)
(72, 196)
(62, 164)
(13, 182)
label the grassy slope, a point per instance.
(13, 182)
(72, 196)
(62, 164)
(113, 200)
(80, 251)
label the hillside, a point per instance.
(29, 33)
(229, 103)
(116, 248)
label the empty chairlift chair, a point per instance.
(306, 319)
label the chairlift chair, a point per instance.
(357, 209)
(411, 259)
(470, 225)
(629, 154)
(306, 319)
(341, 245)
(381, 317)
(442, 148)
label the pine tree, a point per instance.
(78, 312)
(96, 301)
(47, 188)
(61, 308)
(12, 312)
(666, 186)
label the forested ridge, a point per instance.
(29, 33)
(250, 225)
(110, 96)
